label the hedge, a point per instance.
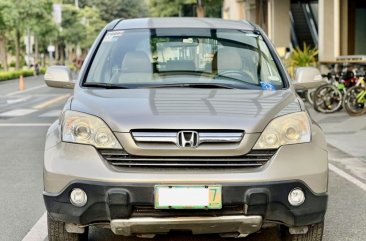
(17, 73)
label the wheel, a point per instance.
(327, 99)
(350, 102)
(309, 96)
(315, 233)
(57, 232)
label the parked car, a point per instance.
(184, 124)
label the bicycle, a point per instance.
(328, 98)
(355, 98)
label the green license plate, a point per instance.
(188, 197)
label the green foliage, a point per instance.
(171, 8)
(19, 16)
(213, 8)
(90, 17)
(71, 27)
(113, 9)
(303, 57)
(15, 74)
(167, 8)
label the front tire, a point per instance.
(315, 233)
(57, 232)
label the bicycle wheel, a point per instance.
(309, 96)
(327, 99)
(352, 104)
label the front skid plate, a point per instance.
(241, 224)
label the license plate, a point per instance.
(188, 197)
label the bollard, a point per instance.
(21, 83)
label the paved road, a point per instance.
(24, 119)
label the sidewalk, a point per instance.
(346, 138)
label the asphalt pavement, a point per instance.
(24, 120)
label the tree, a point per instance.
(167, 8)
(171, 8)
(20, 16)
(213, 8)
(113, 9)
(90, 18)
(3, 40)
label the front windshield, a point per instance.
(144, 58)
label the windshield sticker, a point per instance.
(267, 86)
(112, 36)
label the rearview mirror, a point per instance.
(308, 78)
(59, 76)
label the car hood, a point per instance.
(185, 108)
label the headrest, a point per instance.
(136, 62)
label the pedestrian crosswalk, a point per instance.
(23, 112)
(17, 112)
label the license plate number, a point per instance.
(188, 197)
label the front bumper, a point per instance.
(111, 203)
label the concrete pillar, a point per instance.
(329, 30)
(344, 27)
(279, 22)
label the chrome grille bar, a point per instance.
(171, 137)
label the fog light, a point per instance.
(296, 197)
(78, 197)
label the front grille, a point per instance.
(254, 158)
(150, 211)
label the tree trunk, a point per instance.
(3, 57)
(62, 53)
(57, 53)
(17, 49)
(36, 50)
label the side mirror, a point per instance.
(59, 76)
(308, 78)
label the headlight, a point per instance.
(288, 129)
(87, 129)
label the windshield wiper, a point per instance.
(193, 85)
(105, 85)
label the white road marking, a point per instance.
(27, 90)
(24, 124)
(51, 113)
(347, 176)
(38, 231)
(14, 101)
(17, 112)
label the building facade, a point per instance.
(335, 27)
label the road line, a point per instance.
(27, 90)
(51, 101)
(14, 101)
(24, 124)
(17, 112)
(38, 231)
(347, 176)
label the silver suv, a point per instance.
(184, 124)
